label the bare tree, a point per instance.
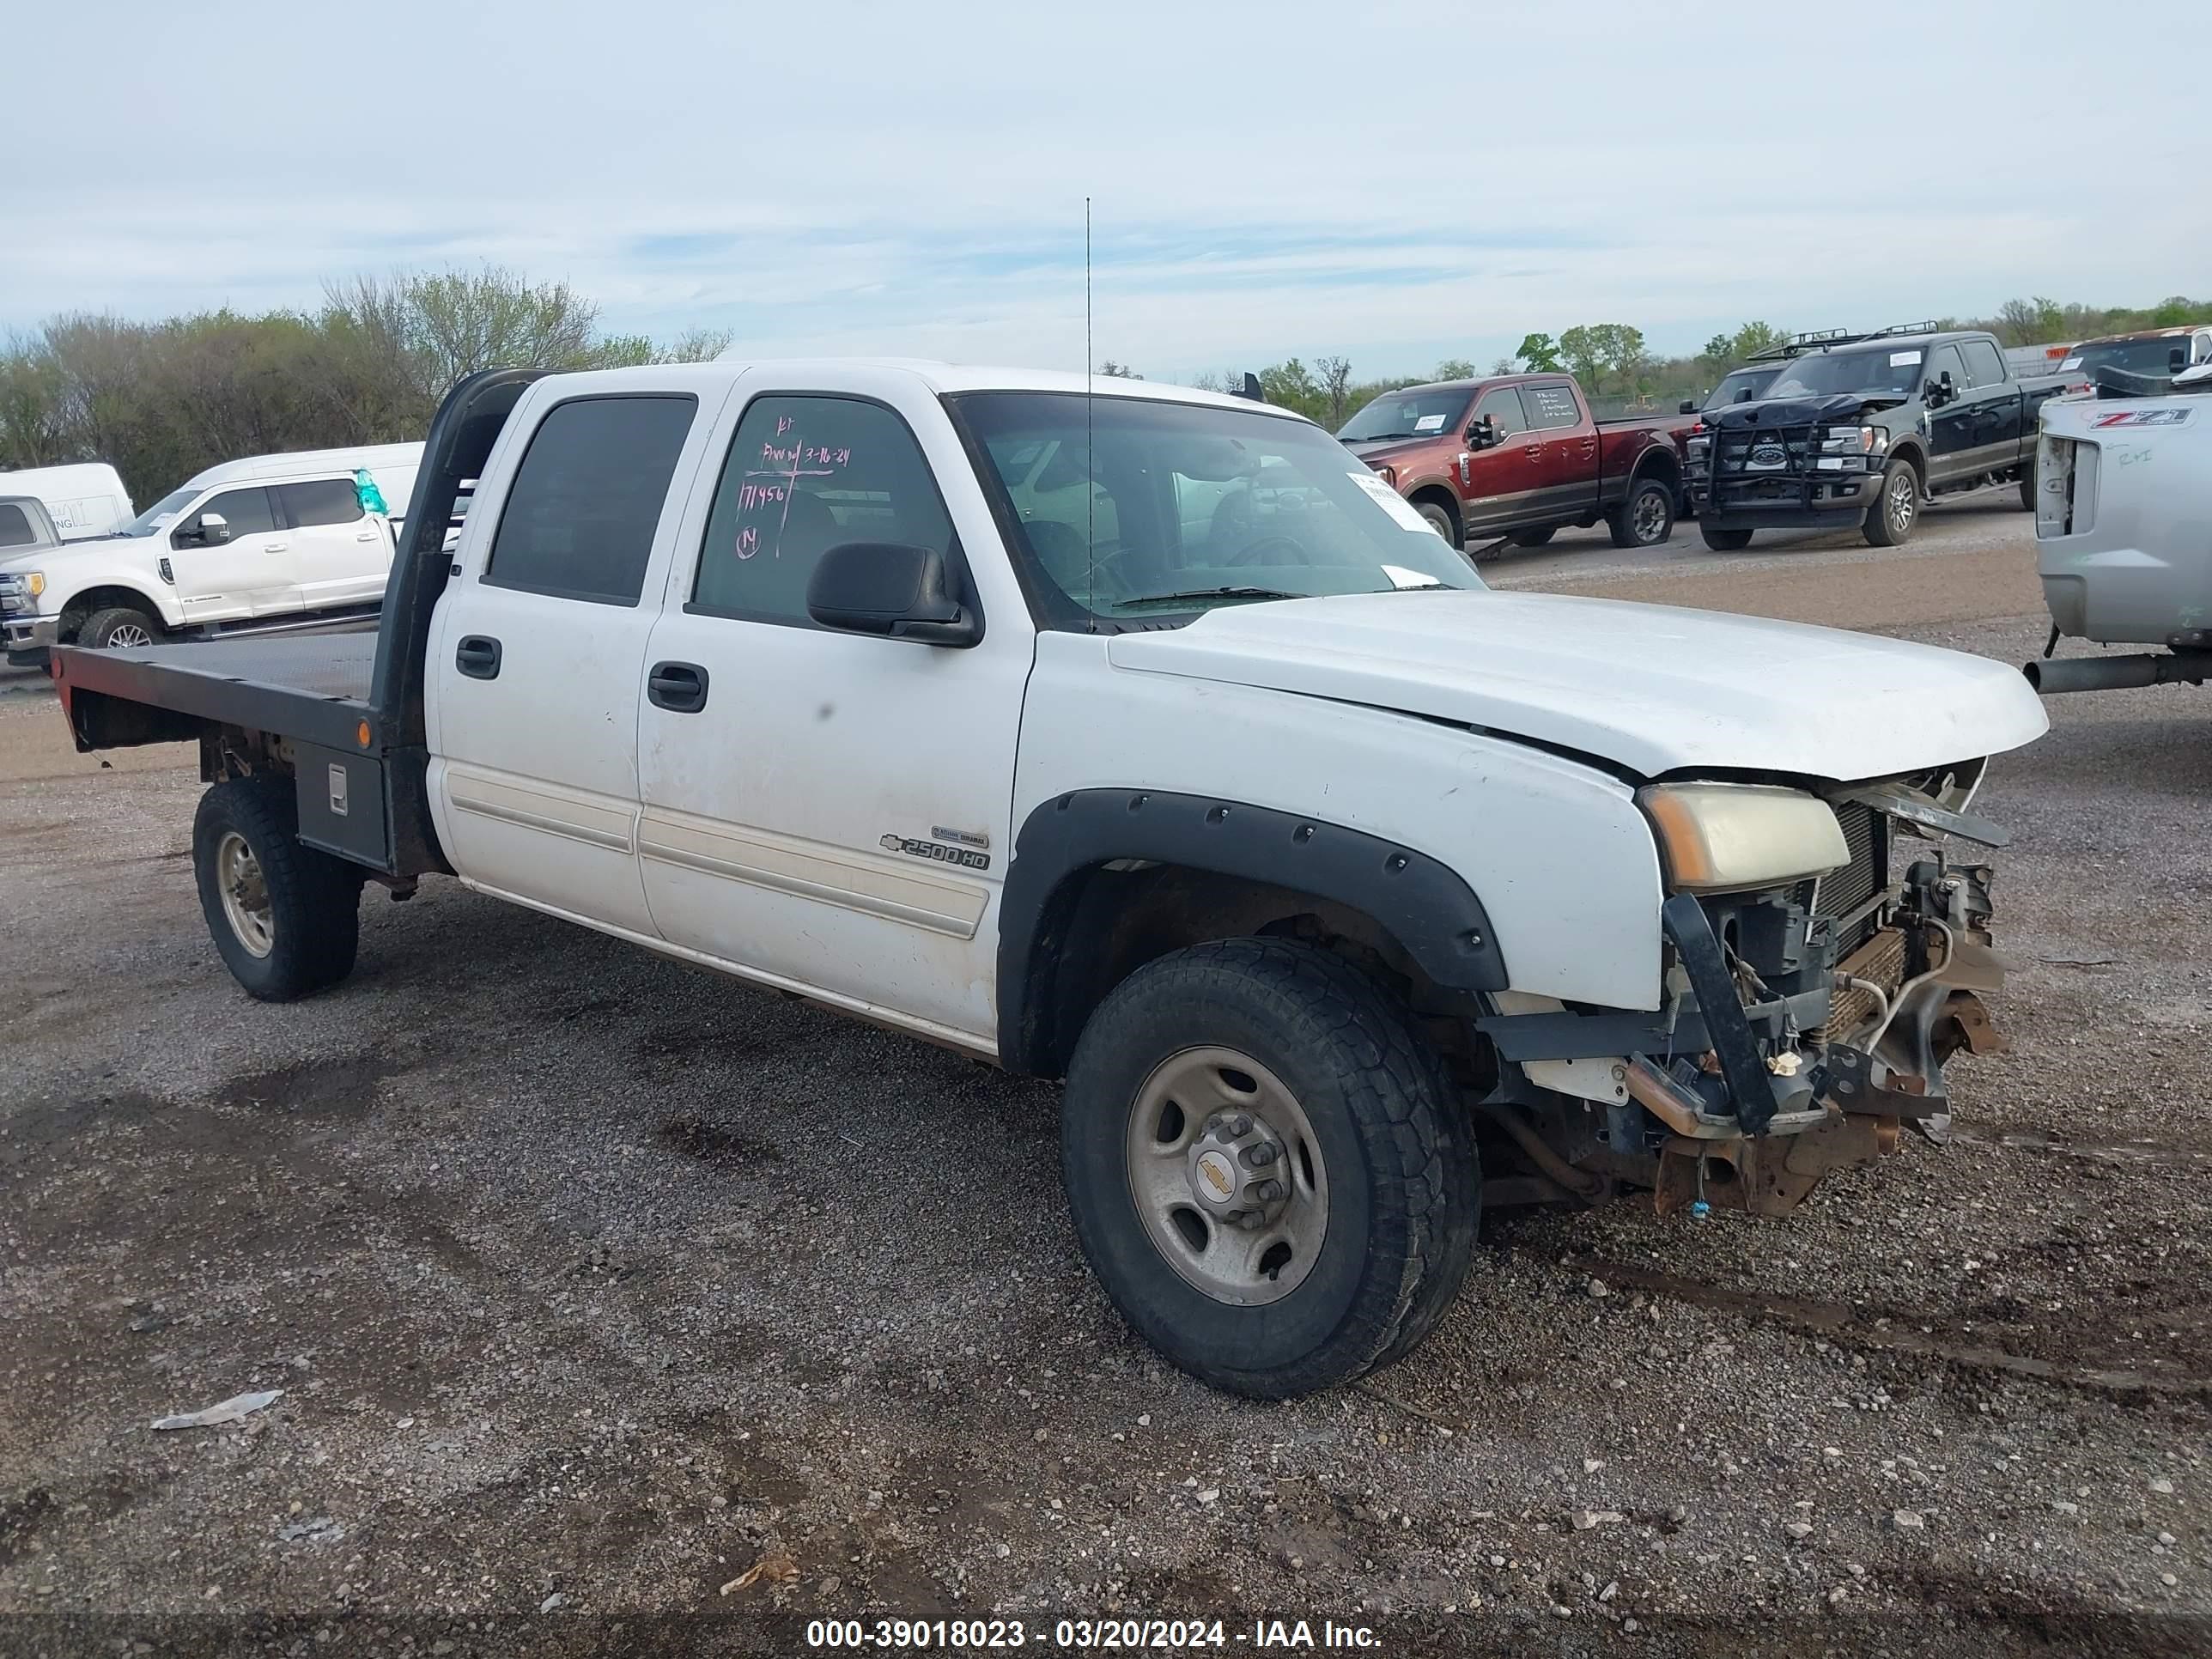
(1336, 376)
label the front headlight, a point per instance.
(1731, 837)
(1852, 440)
(33, 582)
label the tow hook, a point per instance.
(1850, 1081)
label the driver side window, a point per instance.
(1945, 360)
(244, 513)
(1503, 406)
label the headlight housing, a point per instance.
(1735, 837)
(19, 590)
(1853, 440)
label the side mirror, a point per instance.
(900, 591)
(1687, 406)
(211, 530)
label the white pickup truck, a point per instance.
(1143, 738)
(257, 545)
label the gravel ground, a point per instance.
(618, 1306)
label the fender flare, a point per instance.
(135, 589)
(1423, 903)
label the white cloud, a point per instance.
(1393, 181)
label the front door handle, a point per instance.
(365, 536)
(477, 656)
(678, 687)
(278, 547)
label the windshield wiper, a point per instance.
(1210, 593)
(1376, 437)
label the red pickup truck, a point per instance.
(1517, 456)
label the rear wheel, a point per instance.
(1440, 520)
(1889, 521)
(1720, 539)
(119, 627)
(1647, 518)
(286, 918)
(1536, 537)
(1267, 1167)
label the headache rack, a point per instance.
(1823, 339)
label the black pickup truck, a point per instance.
(1863, 428)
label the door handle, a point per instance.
(678, 687)
(477, 656)
(366, 536)
(278, 547)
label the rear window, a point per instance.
(323, 501)
(1982, 362)
(1550, 406)
(579, 518)
(16, 526)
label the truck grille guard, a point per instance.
(1731, 478)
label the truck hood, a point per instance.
(1382, 452)
(56, 554)
(1803, 412)
(1651, 688)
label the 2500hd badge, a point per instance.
(936, 851)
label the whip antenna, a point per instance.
(1089, 463)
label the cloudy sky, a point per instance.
(1397, 183)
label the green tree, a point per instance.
(1290, 384)
(1580, 351)
(1454, 368)
(1538, 353)
(1755, 338)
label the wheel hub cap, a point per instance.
(1227, 1176)
(245, 892)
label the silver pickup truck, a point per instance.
(2124, 493)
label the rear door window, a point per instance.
(1551, 406)
(580, 516)
(320, 501)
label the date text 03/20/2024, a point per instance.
(922, 1634)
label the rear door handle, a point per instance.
(365, 536)
(678, 687)
(477, 656)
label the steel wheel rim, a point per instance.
(1650, 515)
(1901, 502)
(1179, 1139)
(128, 635)
(245, 892)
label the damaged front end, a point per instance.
(1801, 1025)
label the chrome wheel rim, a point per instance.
(128, 635)
(1904, 501)
(245, 891)
(1227, 1176)
(1650, 516)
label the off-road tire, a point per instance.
(102, 627)
(1889, 522)
(1646, 519)
(1404, 1185)
(1440, 520)
(1536, 537)
(314, 899)
(1721, 539)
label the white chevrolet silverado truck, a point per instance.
(1146, 739)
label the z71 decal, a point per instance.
(936, 852)
(2141, 418)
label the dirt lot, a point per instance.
(620, 1307)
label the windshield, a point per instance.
(2151, 356)
(157, 517)
(1895, 369)
(1741, 385)
(1183, 508)
(1418, 414)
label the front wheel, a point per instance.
(118, 629)
(1723, 540)
(1267, 1166)
(285, 918)
(1440, 521)
(1647, 518)
(1889, 521)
